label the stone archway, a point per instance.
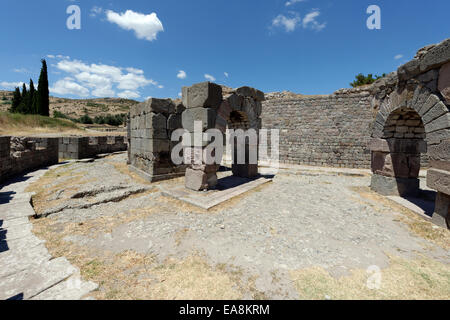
(239, 109)
(408, 123)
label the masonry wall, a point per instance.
(331, 130)
(18, 155)
(87, 147)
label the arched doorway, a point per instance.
(408, 124)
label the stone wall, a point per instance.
(87, 147)
(150, 127)
(331, 130)
(18, 155)
(413, 109)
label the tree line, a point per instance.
(33, 101)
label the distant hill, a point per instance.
(75, 108)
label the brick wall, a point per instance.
(18, 155)
(328, 130)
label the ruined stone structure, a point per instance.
(88, 147)
(412, 116)
(238, 109)
(150, 128)
(395, 126)
(330, 130)
(18, 155)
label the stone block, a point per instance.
(207, 117)
(442, 122)
(155, 121)
(436, 57)
(439, 180)
(154, 134)
(390, 186)
(438, 110)
(245, 170)
(440, 152)
(409, 70)
(251, 92)
(198, 180)
(441, 216)
(444, 82)
(174, 122)
(163, 106)
(202, 95)
(154, 145)
(235, 102)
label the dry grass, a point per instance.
(423, 279)
(416, 225)
(130, 275)
(22, 125)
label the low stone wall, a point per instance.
(87, 147)
(331, 130)
(18, 155)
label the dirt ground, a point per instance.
(306, 235)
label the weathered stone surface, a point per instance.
(207, 116)
(202, 95)
(437, 136)
(441, 216)
(198, 180)
(436, 57)
(439, 180)
(442, 122)
(251, 92)
(409, 70)
(245, 170)
(154, 121)
(438, 110)
(164, 106)
(235, 101)
(444, 82)
(440, 152)
(174, 122)
(390, 186)
(410, 146)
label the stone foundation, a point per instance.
(19, 155)
(391, 186)
(87, 147)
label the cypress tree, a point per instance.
(31, 99)
(23, 103)
(43, 99)
(17, 99)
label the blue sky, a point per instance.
(138, 48)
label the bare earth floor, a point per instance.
(305, 235)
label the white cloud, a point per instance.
(51, 56)
(69, 86)
(399, 56)
(21, 70)
(181, 74)
(11, 85)
(145, 26)
(309, 21)
(129, 94)
(103, 80)
(289, 24)
(291, 2)
(209, 77)
(180, 94)
(95, 11)
(226, 74)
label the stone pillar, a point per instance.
(396, 165)
(438, 178)
(201, 101)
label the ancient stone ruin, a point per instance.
(239, 109)
(395, 126)
(412, 118)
